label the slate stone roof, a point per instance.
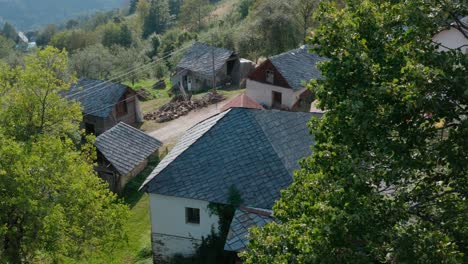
(254, 150)
(125, 147)
(242, 101)
(199, 59)
(298, 66)
(245, 218)
(95, 95)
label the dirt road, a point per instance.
(173, 130)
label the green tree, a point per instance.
(174, 7)
(6, 47)
(54, 207)
(143, 8)
(305, 11)
(94, 62)
(126, 60)
(45, 36)
(193, 12)
(9, 31)
(273, 20)
(133, 7)
(110, 35)
(71, 24)
(72, 40)
(157, 18)
(387, 182)
(126, 38)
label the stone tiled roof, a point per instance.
(96, 97)
(125, 147)
(298, 66)
(199, 59)
(245, 218)
(242, 101)
(256, 151)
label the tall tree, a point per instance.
(305, 11)
(272, 20)
(143, 8)
(94, 62)
(6, 47)
(54, 207)
(133, 6)
(157, 18)
(126, 60)
(193, 12)
(9, 31)
(45, 36)
(387, 181)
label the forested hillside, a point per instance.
(28, 14)
(155, 34)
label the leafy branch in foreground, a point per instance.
(387, 182)
(54, 207)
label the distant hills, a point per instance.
(30, 14)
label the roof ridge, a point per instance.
(271, 143)
(151, 176)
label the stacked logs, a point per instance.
(178, 107)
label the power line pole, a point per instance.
(214, 74)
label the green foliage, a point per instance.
(193, 12)
(244, 8)
(71, 24)
(94, 62)
(7, 46)
(33, 105)
(126, 61)
(175, 6)
(269, 20)
(54, 207)
(9, 31)
(116, 34)
(72, 40)
(387, 180)
(45, 36)
(305, 10)
(133, 6)
(157, 18)
(160, 70)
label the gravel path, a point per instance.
(174, 129)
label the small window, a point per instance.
(270, 76)
(121, 108)
(192, 215)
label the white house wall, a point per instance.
(262, 93)
(451, 38)
(170, 233)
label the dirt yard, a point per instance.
(173, 130)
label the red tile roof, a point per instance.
(242, 101)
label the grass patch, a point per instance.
(137, 250)
(130, 194)
(147, 84)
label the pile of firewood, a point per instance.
(177, 107)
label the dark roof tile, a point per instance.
(298, 66)
(199, 59)
(245, 148)
(96, 97)
(126, 147)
